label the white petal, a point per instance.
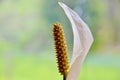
(82, 41)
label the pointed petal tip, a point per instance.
(62, 4)
(59, 2)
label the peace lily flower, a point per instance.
(83, 40)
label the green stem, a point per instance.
(64, 77)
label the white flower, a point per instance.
(83, 40)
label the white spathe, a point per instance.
(83, 40)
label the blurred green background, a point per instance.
(26, 42)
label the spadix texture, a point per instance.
(83, 40)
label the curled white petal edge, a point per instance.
(83, 40)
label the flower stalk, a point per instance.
(61, 50)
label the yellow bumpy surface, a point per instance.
(61, 49)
